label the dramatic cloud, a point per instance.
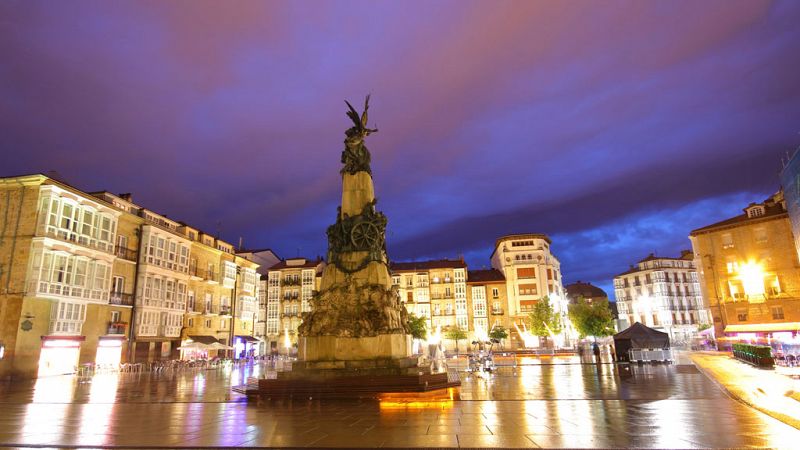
(578, 119)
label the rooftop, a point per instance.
(773, 208)
(485, 276)
(417, 266)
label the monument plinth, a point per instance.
(356, 338)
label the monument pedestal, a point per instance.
(335, 348)
(356, 340)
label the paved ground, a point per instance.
(551, 405)
(769, 391)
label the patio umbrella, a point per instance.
(218, 346)
(193, 346)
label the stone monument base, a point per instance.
(363, 378)
(340, 349)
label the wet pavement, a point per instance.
(532, 405)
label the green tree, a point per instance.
(544, 321)
(456, 334)
(418, 327)
(498, 333)
(592, 319)
(703, 327)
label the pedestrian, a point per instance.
(596, 350)
(613, 353)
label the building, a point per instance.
(748, 270)
(662, 293)
(265, 258)
(290, 285)
(790, 180)
(435, 289)
(532, 274)
(92, 278)
(487, 300)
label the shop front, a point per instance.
(109, 351)
(59, 355)
(245, 346)
(198, 347)
(784, 338)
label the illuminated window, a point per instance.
(773, 286)
(527, 289)
(777, 312)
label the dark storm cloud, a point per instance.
(560, 117)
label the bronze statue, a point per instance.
(356, 157)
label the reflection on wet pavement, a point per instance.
(553, 405)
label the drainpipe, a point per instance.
(131, 333)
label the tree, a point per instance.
(703, 327)
(418, 327)
(544, 321)
(456, 334)
(498, 332)
(592, 319)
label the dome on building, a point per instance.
(587, 290)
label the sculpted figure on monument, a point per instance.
(355, 156)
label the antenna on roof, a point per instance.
(241, 241)
(219, 228)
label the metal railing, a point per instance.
(120, 298)
(125, 253)
(117, 327)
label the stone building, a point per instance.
(790, 180)
(79, 268)
(662, 293)
(532, 273)
(748, 270)
(435, 289)
(487, 300)
(289, 286)
(265, 258)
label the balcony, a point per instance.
(292, 314)
(117, 327)
(170, 330)
(442, 296)
(443, 314)
(225, 311)
(80, 239)
(291, 281)
(45, 288)
(125, 253)
(120, 298)
(498, 311)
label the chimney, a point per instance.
(128, 197)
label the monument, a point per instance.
(356, 339)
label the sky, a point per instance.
(615, 127)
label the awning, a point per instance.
(763, 327)
(248, 339)
(207, 340)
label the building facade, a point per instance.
(532, 274)
(662, 293)
(92, 278)
(290, 284)
(749, 272)
(434, 289)
(790, 180)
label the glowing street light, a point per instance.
(752, 276)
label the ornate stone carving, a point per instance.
(350, 310)
(364, 232)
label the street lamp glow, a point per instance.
(752, 276)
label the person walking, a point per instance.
(596, 350)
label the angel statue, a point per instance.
(355, 156)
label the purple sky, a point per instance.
(615, 127)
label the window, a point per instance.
(495, 293)
(115, 316)
(222, 324)
(191, 322)
(777, 312)
(549, 274)
(208, 323)
(209, 298)
(118, 284)
(527, 289)
(527, 272)
(190, 305)
(741, 315)
(755, 211)
(727, 240)
(760, 235)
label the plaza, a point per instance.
(542, 402)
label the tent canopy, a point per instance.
(639, 336)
